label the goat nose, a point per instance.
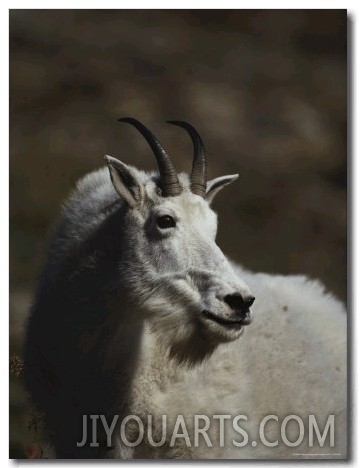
(241, 306)
(249, 301)
(236, 301)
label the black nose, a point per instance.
(240, 305)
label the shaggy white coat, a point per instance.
(292, 360)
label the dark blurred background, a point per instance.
(265, 88)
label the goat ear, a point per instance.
(125, 181)
(215, 185)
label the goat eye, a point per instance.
(166, 222)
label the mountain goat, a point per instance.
(138, 315)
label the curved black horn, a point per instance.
(169, 181)
(198, 173)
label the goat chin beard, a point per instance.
(191, 343)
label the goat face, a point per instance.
(171, 265)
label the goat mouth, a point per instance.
(232, 324)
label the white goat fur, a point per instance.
(291, 360)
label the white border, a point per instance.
(4, 235)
